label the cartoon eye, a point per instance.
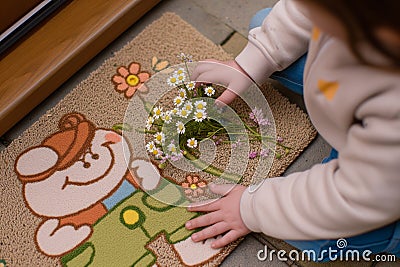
(95, 156)
(86, 165)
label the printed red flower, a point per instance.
(131, 79)
(193, 186)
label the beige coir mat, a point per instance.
(67, 196)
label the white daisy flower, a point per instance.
(157, 153)
(178, 101)
(180, 127)
(191, 85)
(200, 115)
(192, 143)
(167, 116)
(200, 105)
(209, 90)
(181, 77)
(172, 148)
(188, 106)
(184, 113)
(150, 146)
(157, 112)
(173, 80)
(180, 71)
(182, 93)
(175, 111)
(149, 122)
(159, 137)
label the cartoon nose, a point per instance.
(113, 138)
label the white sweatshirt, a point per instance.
(356, 108)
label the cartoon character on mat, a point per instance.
(77, 178)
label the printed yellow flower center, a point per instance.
(178, 101)
(199, 115)
(173, 80)
(180, 78)
(182, 94)
(180, 127)
(184, 113)
(131, 217)
(192, 142)
(159, 137)
(193, 186)
(200, 106)
(155, 152)
(132, 80)
(173, 149)
(158, 112)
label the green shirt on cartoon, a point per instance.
(121, 236)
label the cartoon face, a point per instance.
(93, 174)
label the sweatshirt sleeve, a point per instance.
(355, 193)
(282, 38)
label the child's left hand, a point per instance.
(223, 217)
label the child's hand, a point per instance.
(223, 217)
(228, 73)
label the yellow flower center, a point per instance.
(132, 80)
(173, 80)
(192, 142)
(158, 112)
(155, 152)
(131, 217)
(178, 101)
(184, 112)
(200, 106)
(159, 137)
(193, 186)
(199, 115)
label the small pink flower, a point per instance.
(264, 153)
(131, 79)
(253, 155)
(193, 186)
(257, 116)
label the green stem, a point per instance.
(211, 169)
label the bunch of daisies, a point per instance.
(185, 125)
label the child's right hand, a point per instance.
(227, 73)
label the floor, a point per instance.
(225, 22)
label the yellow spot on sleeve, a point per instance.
(315, 33)
(329, 89)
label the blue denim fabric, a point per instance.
(385, 239)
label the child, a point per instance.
(352, 94)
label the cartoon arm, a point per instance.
(55, 241)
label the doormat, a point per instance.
(69, 198)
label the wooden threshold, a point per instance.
(60, 47)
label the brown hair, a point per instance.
(361, 19)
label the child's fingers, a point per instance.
(204, 220)
(221, 189)
(204, 206)
(229, 237)
(203, 66)
(227, 96)
(211, 231)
